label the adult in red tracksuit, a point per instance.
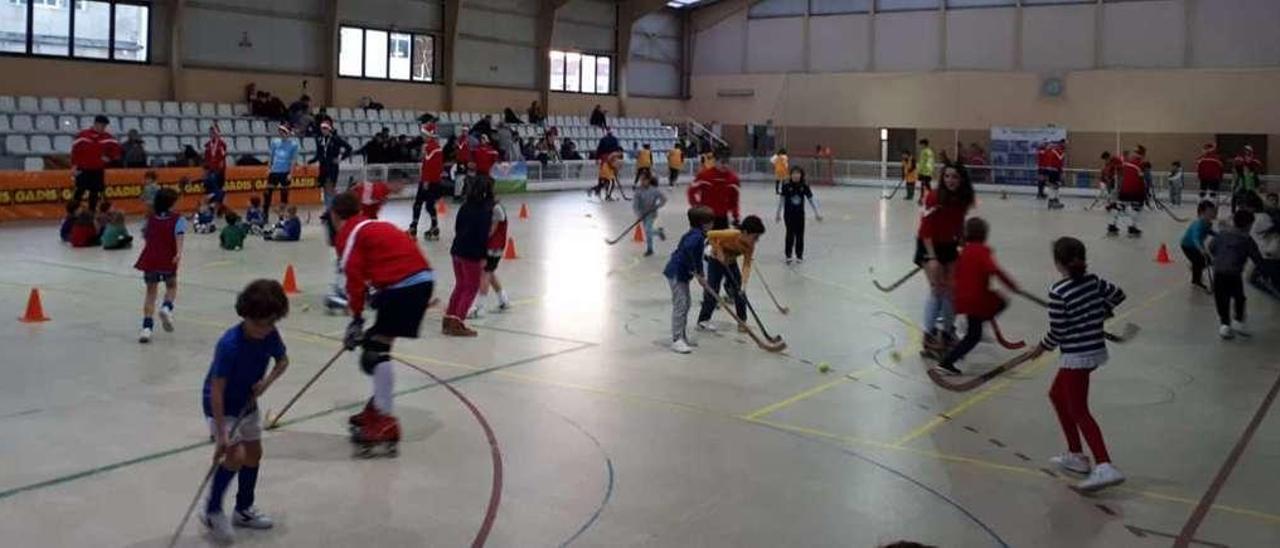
(1209, 170)
(215, 166)
(378, 255)
(716, 187)
(429, 182)
(1130, 196)
(91, 151)
(1052, 161)
(484, 157)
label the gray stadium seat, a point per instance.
(170, 126)
(308, 147)
(72, 105)
(190, 110)
(62, 144)
(240, 109)
(169, 145)
(359, 114)
(363, 129)
(90, 105)
(22, 123)
(244, 145)
(347, 128)
(16, 145)
(242, 128)
(45, 123)
(133, 107)
(4, 124)
(129, 123)
(343, 114)
(113, 106)
(40, 144)
(224, 111)
(151, 145)
(68, 124)
(227, 126)
(29, 104)
(260, 144)
(153, 108)
(191, 141)
(8, 104)
(259, 127)
(86, 121)
(190, 126)
(50, 105)
(208, 110)
(150, 126)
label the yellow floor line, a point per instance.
(768, 409)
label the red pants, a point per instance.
(466, 275)
(1070, 397)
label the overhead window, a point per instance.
(84, 29)
(581, 72)
(386, 55)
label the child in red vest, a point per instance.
(496, 246)
(973, 296)
(159, 260)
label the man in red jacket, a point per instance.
(378, 255)
(1132, 193)
(429, 183)
(215, 167)
(1209, 171)
(1052, 160)
(716, 187)
(92, 150)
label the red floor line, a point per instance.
(1187, 535)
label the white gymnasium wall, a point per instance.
(839, 43)
(1057, 37)
(287, 35)
(586, 25)
(908, 41)
(719, 49)
(656, 50)
(981, 39)
(418, 15)
(496, 43)
(1143, 34)
(1235, 33)
(778, 8)
(775, 44)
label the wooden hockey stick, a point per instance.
(1003, 341)
(782, 309)
(893, 285)
(941, 379)
(769, 346)
(1128, 331)
(276, 421)
(629, 228)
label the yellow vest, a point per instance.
(781, 167)
(675, 159)
(644, 158)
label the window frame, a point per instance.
(413, 36)
(69, 54)
(564, 54)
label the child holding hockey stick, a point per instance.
(973, 295)
(236, 379)
(791, 198)
(646, 203)
(1193, 241)
(684, 264)
(1078, 304)
(726, 246)
(937, 248)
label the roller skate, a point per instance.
(413, 230)
(354, 422)
(335, 304)
(432, 234)
(379, 436)
(1134, 232)
(1112, 230)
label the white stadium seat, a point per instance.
(8, 104)
(208, 110)
(46, 123)
(86, 121)
(72, 105)
(151, 144)
(190, 110)
(153, 108)
(150, 126)
(62, 144)
(4, 124)
(27, 103)
(22, 123)
(261, 144)
(358, 114)
(113, 106)
(169, 126)
(344, 114)
(90, 105)
(129, 123)
(16, 145)
(258, 127)
(40, 144)
(133, 107)
(227, 125)
(190, 126)
(169, 145)
(50, 105)
(225, 111)
(242, 128)
(240, 109)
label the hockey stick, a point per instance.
(1003, 341)
(893, 285)
(769, 346)
(894, 192)
(941, 380)
(782, 309)
(631, 226)
(1166, 209)
(1128, 331)
(742, 292)
(208, 475)
(276, 421)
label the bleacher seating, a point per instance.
(36, 126)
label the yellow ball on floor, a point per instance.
(824, 367)
(895, 356)
(306, 308)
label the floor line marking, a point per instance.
(813, 391)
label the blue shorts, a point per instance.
(153, 277)
(213, 183)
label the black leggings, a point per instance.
(1226, 289)
(273, 180)
(427, 195)
(1198, 263)
(972, 335)
(795, 235)
(715, 275)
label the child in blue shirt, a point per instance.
(1194, 238)
(287, 230)
(255, 217)
(685, 263)
(236, 378)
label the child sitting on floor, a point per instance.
(254, 216)
(84, 233)
(204, 219)
(232, 236)
(103, 216)
(64, 232)
(116, 235)
(289, 229)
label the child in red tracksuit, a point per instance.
(378, 255)
(972, 295)
(716, 187)
(430, 181)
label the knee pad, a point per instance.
(373, 353)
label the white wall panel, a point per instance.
(775, 44)
(1057, 37)
(212, 38)
(907, 41)
(496, 64)
(779, 8)
(839, 43)
(578, 36)
(1143, 34)
(981, 39)
(718, 50)
(402, 14)
(649, 79)
(1236, 33)
(527, 7)
(501, 26)
(598, 12)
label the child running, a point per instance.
(781, 169)
(685, 263)
(471, 231)
(236, 379)
(791, 198)
(378, 255)
(1078, 304)
(496, 246)
(973, 295)
(726, 246)
(1193, 241)
(159, 261)
(937, 243)
(1230, 250)
(646, 203)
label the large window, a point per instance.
(581, 72)
(92, 29)
(386, 55)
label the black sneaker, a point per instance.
(1135, 231)
(1112, 230)
(949, 368)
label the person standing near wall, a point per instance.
(924, 167)
(91, 151)
(284, 150)
(215, 166)
(675, 163)
(1209, 171)
(330, 149)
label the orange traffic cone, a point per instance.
(1162, 256)
(441, 209)
(524, 211)
(290, 281)
(511, 250)
(638, 235)
(35, 310)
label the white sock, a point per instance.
(383, 385)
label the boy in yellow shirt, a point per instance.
(726, 246)
(644, 163)
(781, 170)
(675, 162)
(607, 176)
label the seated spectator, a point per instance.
(536, 115)
(528, 148)
(484, 126)
(103, 217)
(288, 229)
(134, 155)
(569, 150)
(116, 235)
(258, 103)
(367, 103)
(73, 211)
(376, 150)
(506, 146)
(276, 109)
(598, 118)
(509, 116)
(189, 157)
(300, 113)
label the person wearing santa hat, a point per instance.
(330, 150)
(1209, 171)
(430, 183)
(284, 152)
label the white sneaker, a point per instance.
(1225, 332)
(1103, 475)
(219, 527)
(680, 347)
(1240, 328)
(145, 335)
(504, 302)
(476, 313)
(1072, 462)
(789, 260)
(166, 319)
(252, 519)
(707, 326)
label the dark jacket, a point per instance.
(471, 230)
(329, 151)
(686, 260)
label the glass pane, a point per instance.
(93, 25)
(132, 32)
(13, 26)
(350, 51)
(557, 70)
(52, 27)
(424, 57)
(571, 63)
(829, 7)
(1042, 2)
(979, 3)
(588, 74)
(400, 51)
(375, 53)
(903, 5)
(602, 75)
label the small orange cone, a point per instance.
(511, 250)
(638, 235)
(35, 310)
(441, 209)
(1162, 256)
(524, 211)
(290, 281)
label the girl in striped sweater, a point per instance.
(1078, 304)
